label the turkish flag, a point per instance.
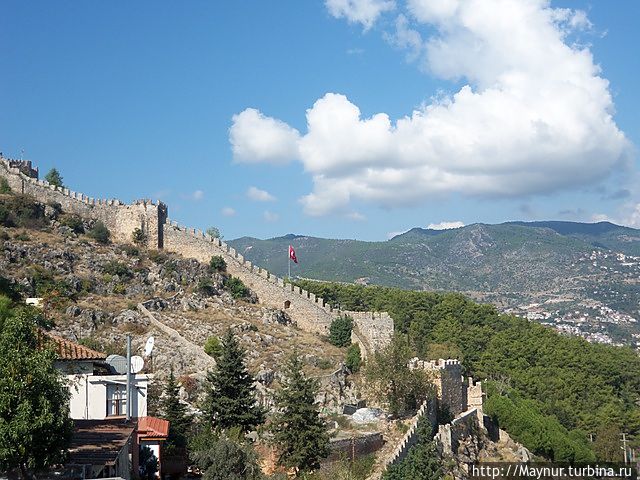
(292, 254)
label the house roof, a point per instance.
(152, 427)
(68, 350)
(98, 442)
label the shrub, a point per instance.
(340, 331)
(116, 268)
(74, 222)
(324, 364)
(206, 287)
(119, 289)
(100, 233)
(213, 347)
(22, 236)
(217, 264)
(131, 251)
(139, 237)
(4, 235)
(353, 359)
(156, 256)
(4, 186)
(236, 287)
(22, 211)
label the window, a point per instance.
(116, 400)
(287, 304)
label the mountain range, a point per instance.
(513, 256)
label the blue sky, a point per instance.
(137, 99)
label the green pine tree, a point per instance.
(298, 431)
(54, 178)
(231, 396)
(176, 412)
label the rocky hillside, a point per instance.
(97, 293)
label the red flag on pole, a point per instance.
(292, 254)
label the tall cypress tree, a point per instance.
(176, 412)
(231, 396)
(298, 430)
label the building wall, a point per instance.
(89, 395)
(448, 379)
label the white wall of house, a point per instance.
(97, 397)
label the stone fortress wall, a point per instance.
(372, 329)
(120, 218)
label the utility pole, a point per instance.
(129, 402)
(624, 447)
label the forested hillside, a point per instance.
(551, 392)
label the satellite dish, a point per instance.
(118, 363)
(136, 364)
(148, 348)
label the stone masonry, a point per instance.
(372, 329)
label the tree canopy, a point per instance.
(585, 387)
(35, 428)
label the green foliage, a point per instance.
(347, 469)
(4, 186)
(45, 284)
(139, 237)
(217, 264)
(542, 434)
(214, 232)
(213, 347)
(394, 384)
(54, 178)
(35, 428)
(298, 431)
(119, 289)
(340, 331)
(131, 251)
(74, 222)
(158, 257)
(206, 287)
(100, 233)
(585, 386)
(225, 456)
(353, 359)
(176, 412)
(231, 398)
(236, 287)
(422, 462)
(148, 464)
(21, 211)
(113, 267)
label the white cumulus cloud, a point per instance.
(228, 211)
(364, 12)
(255, 138)
(258, 195)
(534, 115)
(445, 225)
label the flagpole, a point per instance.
(289, 258)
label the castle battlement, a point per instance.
(311, 313)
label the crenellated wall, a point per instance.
(372, 330)
(121, 219)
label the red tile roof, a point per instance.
(152, 427)
(68, 350)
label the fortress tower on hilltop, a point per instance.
(372, 329)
